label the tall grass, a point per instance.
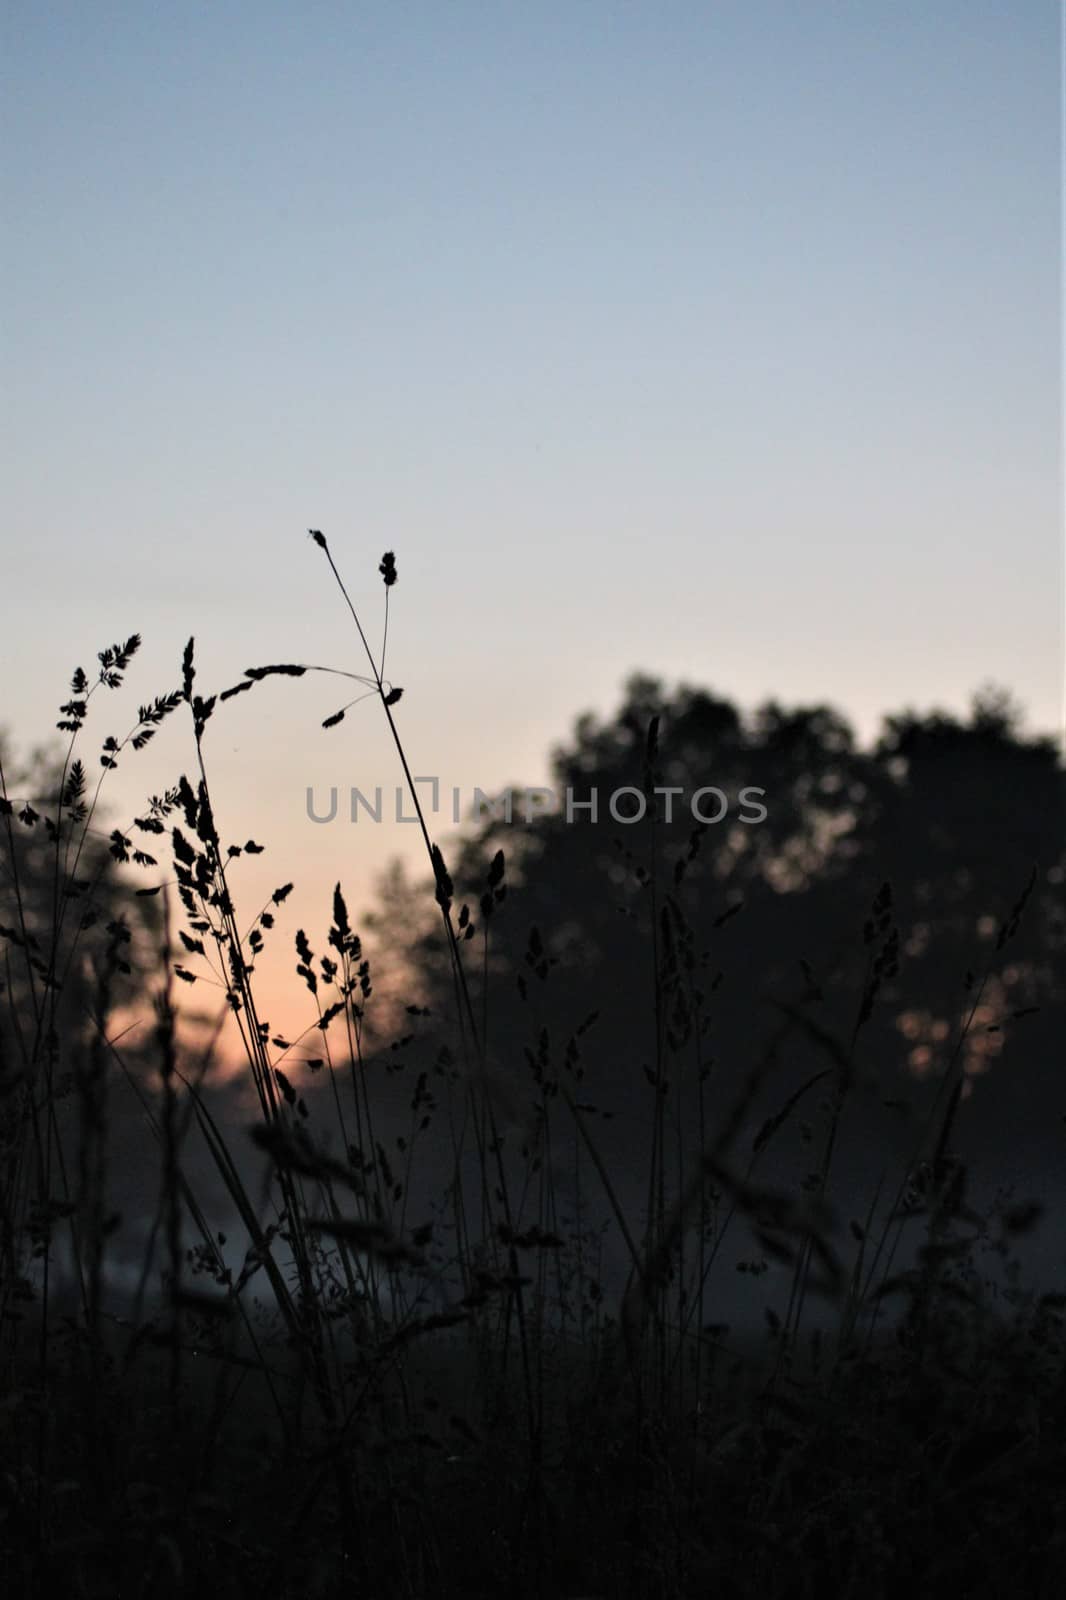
(365, 1400)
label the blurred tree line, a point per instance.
(756, 954)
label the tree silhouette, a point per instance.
(796, 947)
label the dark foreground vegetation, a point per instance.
(692, 1233)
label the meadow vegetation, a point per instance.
(524, 1383)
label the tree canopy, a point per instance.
(904, 901)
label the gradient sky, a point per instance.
(720, 340)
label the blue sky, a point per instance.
(719, 340)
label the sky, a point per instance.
(720, 341)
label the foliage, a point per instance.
(359, 1386)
